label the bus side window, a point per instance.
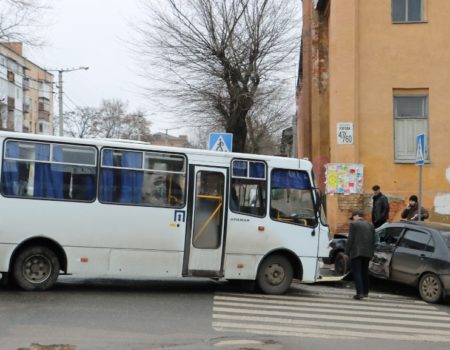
(248, 188)
(46, 170)
(143, 178)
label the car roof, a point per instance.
(429, 224)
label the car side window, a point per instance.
(430, 245)
(416, 240)
(391, 235)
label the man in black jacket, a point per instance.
(359, 248)
(411, 212)
(380, 207)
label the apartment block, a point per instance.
(26, 93)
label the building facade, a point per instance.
(373, 75)
(26, 93)
(163, 139)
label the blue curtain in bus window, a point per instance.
(257, 170)
(240, 168)
(293, 179)
(11, 170)
(57, 174)
(132, 180)
(88, 184)
(107, 181)
(48, 178)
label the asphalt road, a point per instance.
(191, 314)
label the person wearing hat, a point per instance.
(359, 248)
(411, 212)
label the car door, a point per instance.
(380, 264)
(411, 255)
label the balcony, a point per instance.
(10, 76)
(42, 116)
(26, 84)
(44, 106)
(26, 107)
(11, 104)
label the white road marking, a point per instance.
(331, 316)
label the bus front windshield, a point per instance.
(291, 197)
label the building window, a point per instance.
(410, 120)
(407, 11)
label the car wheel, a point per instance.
(430, 288)
(36, 268)
(275, 275)
(341, 264)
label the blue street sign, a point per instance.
(222, 142)
(420, 149)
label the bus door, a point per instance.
(205, 232)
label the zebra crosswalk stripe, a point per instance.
(319, 316)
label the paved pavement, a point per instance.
(188, 314)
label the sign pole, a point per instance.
(420, 160)
(420, 192)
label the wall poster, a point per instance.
(344, 178)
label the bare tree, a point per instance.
(110, 120)
(219, 58)
(82, 122)
(136, 127)
(22, 20)
(111, 115)
(266, 121)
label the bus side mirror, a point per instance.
(318, 200)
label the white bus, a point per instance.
(131, 209)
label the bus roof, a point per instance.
(140, 145)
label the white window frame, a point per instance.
(406, 128)
(405, 18)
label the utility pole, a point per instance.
(60, 93)
(60, 103)
(167, 134)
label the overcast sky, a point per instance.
(96, 33)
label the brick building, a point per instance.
(163, 139)
(380, 68)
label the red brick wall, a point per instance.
(346, 204)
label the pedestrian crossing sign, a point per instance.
(420, 149)
(222, 142)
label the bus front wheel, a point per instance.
(36, 268)
(275, 275)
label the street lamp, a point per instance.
(60, 93)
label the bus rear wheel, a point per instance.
(36, 268)
(275, 275)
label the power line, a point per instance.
(72, 101)
(60, 95)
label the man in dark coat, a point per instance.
(411, 212)
(380, 207)
(359, 248)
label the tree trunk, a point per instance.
(238, 127)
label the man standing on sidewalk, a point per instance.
(380, 207)
(359, 248)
